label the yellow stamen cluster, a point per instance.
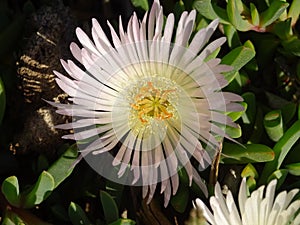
(153, 103)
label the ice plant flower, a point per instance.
(145, 105)
(259, 208)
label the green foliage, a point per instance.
(238, 58)
(111, 212)
(10, 189)
(77, 215)
(237, 154)
(143, 4)
(41, 190)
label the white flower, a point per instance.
(258, 209)
(144, 105)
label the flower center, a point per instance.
(151, 102)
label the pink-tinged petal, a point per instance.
(167, 194)
(152, 19)
(85, 41)
(99, 32)
(184, 36)
(158, 25)
(169, 27)
(76, 51)
(210, 48)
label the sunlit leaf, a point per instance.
(281, 149)
(210, 10)
(254, 14)
(236, 154)
(273, 12)
(294, 168)
(41, 190)
(280, 175)
(64, 166)
(141, 4)
(249, 171)
(235, 17)
(10, 189)
(274, 125)
(237, 58)
(294, 11)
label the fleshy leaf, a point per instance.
(281, 149)
(235, 17)
(249, 171)
(233, 153)
(10, 189)
(41, 190)
(294, 168)
(110, 208)
(280, 175)
(273, 12)
(211, 11)
(254, 14)
(77, 215)
(64, 166)
(237, 58)
(274, 125)
(141, 4)
(294, 11)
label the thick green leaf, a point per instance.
(280, 175)
(288, 111)
(110, 208)
(141, 4)
(236, 115)
(237, 58)
(64, 166)
(7, 221)
(41, 190)
(2, 100)
(235, 16)
(294, 168)
(181, 199)
(10, 189)
(210, 10)
(254, 14)
(283, 29)
(236, 154)
(294, 11)
(77, 215)
(232, 35)
(123, 222)
(273, 12)
(249, 171)
(281, 149)
(251, 183)
(274, 125)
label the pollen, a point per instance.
(151, 102)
